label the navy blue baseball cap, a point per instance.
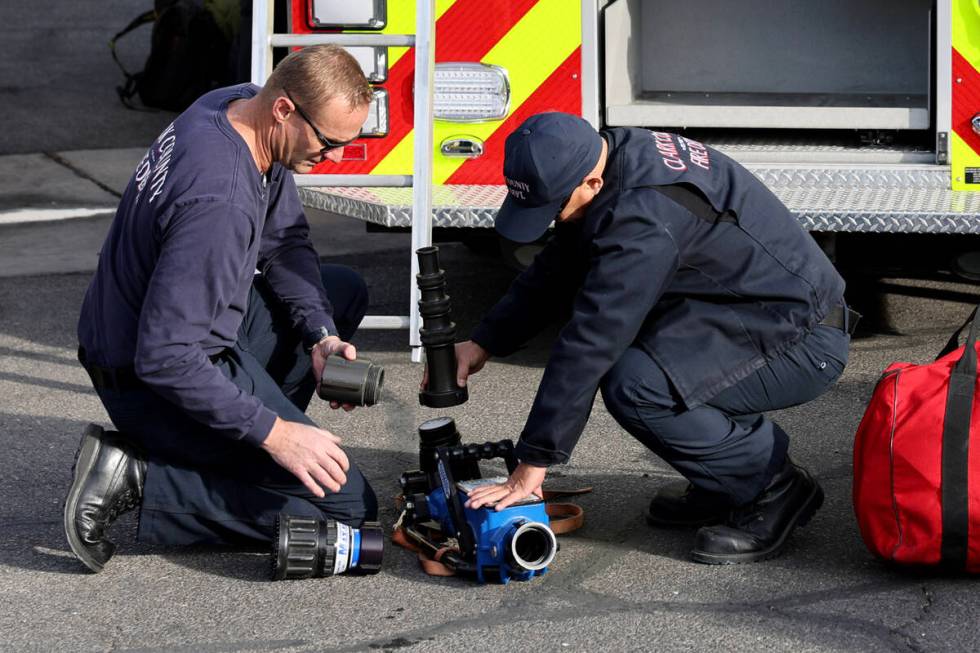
(544, 160)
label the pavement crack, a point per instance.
(566, 587)
(590, 603)
(582, 603)
(62, 161)
(905, 630)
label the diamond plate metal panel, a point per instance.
(929, 224)
(452, 206)
(894, 199)
(852, 177)
(806, 145)
(813, 150)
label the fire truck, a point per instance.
(861, 115)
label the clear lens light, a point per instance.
(470, 92)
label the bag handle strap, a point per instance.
(142, 19)
(956, 451)
(954, 340)
(128, 89)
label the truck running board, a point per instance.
(890, 198)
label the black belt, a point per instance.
(843, 318)
(119, 379)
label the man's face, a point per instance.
(336, 122)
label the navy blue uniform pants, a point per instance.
(203, 488)
(726, 446)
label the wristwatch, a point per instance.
(313, 337)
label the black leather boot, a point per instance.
(681, 504)
(108, 481)
(759, 530)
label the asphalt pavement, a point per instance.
(616, 584)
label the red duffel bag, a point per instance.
(916, 475)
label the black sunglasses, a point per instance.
(324, 141)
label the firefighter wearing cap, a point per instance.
(696, 302)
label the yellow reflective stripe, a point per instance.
(530, 52)
(966, 27)
(401, 20)
(538, 44)
(962, 157)
(399, 160)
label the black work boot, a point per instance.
(108, 481)
(681, 504)
(759, 530)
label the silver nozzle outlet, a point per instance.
(532, 547)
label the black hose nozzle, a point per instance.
(305, 547)
(438, 334)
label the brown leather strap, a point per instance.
(565, 517)
(430, 565)
(398, 537)
(558, 494)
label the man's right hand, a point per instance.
(313, 455)
(470, 359)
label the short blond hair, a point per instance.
(319, 73)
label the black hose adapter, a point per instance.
(356, 382)
(438, 334)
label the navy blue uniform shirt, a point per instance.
(709, 300)
(194, 224)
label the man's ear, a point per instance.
(595, 184)
(281, 109)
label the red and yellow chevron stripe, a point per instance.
(537, 41)
(964, 141)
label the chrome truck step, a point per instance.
(846, 197)
(452, 206)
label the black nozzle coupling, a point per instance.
(438, 334)
(304, 547)
(441, 432)
(356, 382)
(414, 482)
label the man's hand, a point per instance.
(525, 481)
(329, 346)
(311, 454)
(470, 359)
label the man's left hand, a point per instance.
(331, 346)
(526, 480)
